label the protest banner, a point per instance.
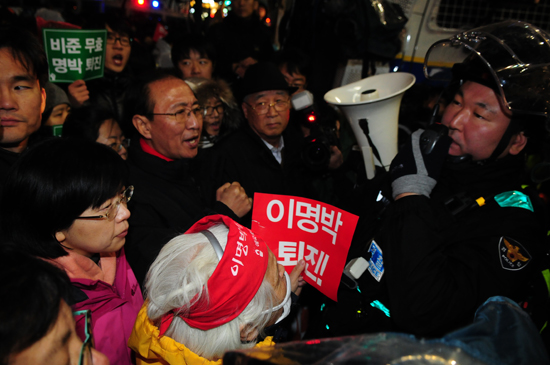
(297, 228)
(74, 54)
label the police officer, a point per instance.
(461, 228)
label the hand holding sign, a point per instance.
(296, 278)
(299, 228)
(78, 93)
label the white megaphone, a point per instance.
(372, 108)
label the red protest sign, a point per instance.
(298, 228)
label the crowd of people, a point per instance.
(131, 214)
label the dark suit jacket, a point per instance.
(243, 157)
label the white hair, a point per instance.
(180, 272)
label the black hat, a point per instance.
(264, 76)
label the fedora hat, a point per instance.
(264, 76)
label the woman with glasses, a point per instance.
(65, 201)
(220, 112)
(96, 125)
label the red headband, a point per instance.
(233, 284)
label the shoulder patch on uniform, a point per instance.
(515, 199)
(513, 256)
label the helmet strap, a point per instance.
(513, 128)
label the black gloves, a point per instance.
(417, 166)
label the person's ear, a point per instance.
(142, 125)
(245, 110)
(60, 236)
(517, 144)
(248, 333)
(43, 103)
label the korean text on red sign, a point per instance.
(299, 228)
(74, 54)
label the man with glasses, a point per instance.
(108, 91)
(168, 199)
(264, 156)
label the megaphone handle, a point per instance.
(435, 115)
(364, 124)
(369, 162)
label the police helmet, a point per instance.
(511, 57)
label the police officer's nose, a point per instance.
(457, 118)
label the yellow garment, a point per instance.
(150, 349)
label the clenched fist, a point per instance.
(78, 93)
(234, 196)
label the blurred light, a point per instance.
(227, 2)
(192, 10)
(382, 307)
(268, 21)
(155, 4)
(225, 11)
(327, 327)
(311, 118)
(322, 306)
(141, 2)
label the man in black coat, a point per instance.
(23, 97)
(167, 198)
(462, 228)
(239, 35)
(264, 156)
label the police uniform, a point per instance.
(445, 255)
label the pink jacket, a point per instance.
(114, 297)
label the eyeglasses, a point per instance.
(263, 108)
(209, 110)
(119, 146)
(124, 41)
(113, 209)
(86, 349)
(183, 115)
(298, 84)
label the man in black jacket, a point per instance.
(264, 156)
(22, 96)
(167, 199)
(241, 32)
(108, 91)
(461, 228)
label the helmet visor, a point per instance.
(512, 57)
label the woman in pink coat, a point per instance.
(65, 201)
